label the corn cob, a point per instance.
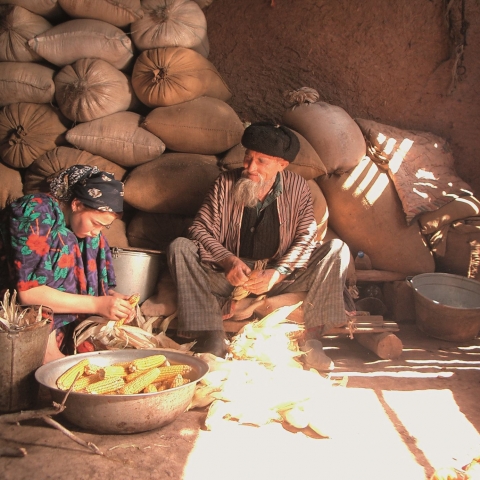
(122, 364)
(146, 363)
(133, 300)
(134, 375)
(170, 372)
(65, 380)
(139, 383)
(112, 371)
(83, 382)
(177, 381)
(91, 369)
(160, 386)
(106, 386)
(150, 388)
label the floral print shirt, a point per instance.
(37, 248)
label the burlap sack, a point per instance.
(11, 186)
(164, 301)
(203, 3)
(46, 8)
(91, 88)
(27, 130)
(116, 234)
(457, 209)
(366, 213)
(26, 82)
(60, 158)
(420, 164)
(154, 231)
(330, 130)
(307, 163)
(117, 12)
(18, 26)
(171, 23)
(320, 209)
(173, 183)
(172, 75)
(204, 125)
(72, 40)
(117, 137)
(462, 253)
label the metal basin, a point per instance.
(447, 306)
(122, 414)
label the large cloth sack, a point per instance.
(26, 82)
(18, 26)
(173, 183)
(458, 209)
(461, 253)
(420, 165)
(154, 231)
(60, 158)
(307, 163)
(171, 23)
(164, 301)
(117, 12)
(171, 75)
(116, 234)
(11, 186)
(46, 8)
(331, 131)
(27, 130)
(366, 213)
(69, 41)
(204, 125)
(117, 137)
(92, 88)
(320, 209)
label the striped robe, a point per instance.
(216, 227)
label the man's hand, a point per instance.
(236, 271)
(262, 281)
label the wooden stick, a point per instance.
(31, 414)
(91, 446)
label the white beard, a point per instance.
(247, 191)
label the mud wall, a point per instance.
(413, 64)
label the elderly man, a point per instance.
(258, 212)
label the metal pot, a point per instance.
(121, 414)
(136, 270)
(447, 306)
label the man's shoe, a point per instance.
(212, 341)
(315, 357)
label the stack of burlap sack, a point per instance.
(127, 85)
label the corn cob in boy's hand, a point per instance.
(134, 299)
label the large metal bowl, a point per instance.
(121, 414)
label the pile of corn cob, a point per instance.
(142, 375)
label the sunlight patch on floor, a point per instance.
(364, 443)
(441, 430)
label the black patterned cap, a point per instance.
(270, 139)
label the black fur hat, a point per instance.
(271, 139)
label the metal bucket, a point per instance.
(21, 353)
(447, 306)
(136, 270)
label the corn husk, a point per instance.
(139, 334)
(14, 317)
